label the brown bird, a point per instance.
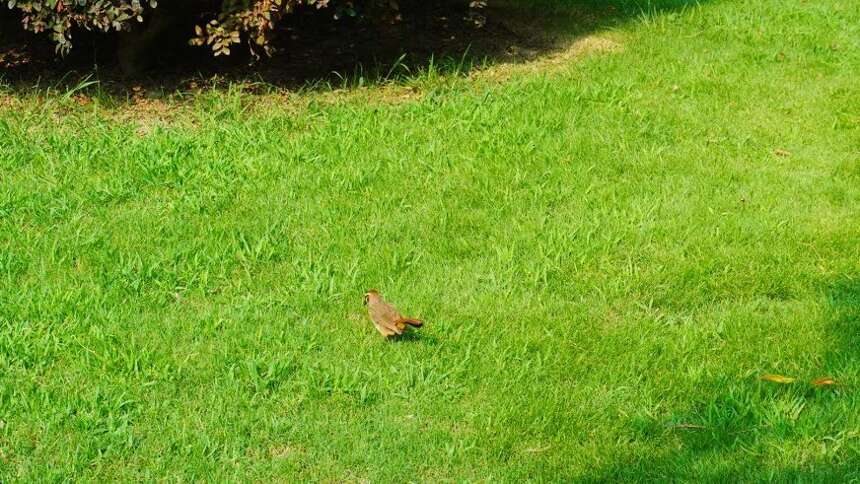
(388, 321)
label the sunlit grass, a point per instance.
(609, 253)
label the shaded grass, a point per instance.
(608, 254)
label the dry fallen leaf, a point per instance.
(823, 382)
(535, 450)
(282, 451)
(778, 378)
(689, 426)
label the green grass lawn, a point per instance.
(610, 247)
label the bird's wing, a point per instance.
(384, 330)
(391, 327)
(382, 317)
(390, 313)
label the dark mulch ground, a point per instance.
(311, 48)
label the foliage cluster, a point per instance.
(221, 25)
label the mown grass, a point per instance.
(609, 252)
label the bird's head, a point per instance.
(370, 294)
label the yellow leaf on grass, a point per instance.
(777, 378)
(823, 382)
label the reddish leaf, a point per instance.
(823, 382)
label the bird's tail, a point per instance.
(411, 322)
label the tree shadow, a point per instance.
(724, 437)
(844, 303)
(315, 50)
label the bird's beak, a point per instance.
(366, 299)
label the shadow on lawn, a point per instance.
(726, 437)
(314, 50)
(844, 301)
